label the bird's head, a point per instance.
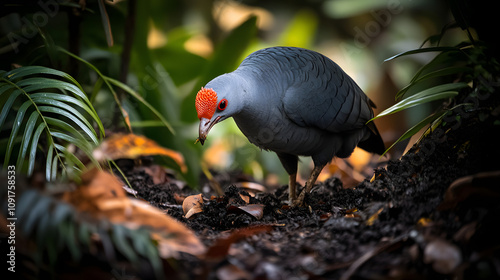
(211, 109)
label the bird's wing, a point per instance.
(323, 95)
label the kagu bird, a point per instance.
(294, 102)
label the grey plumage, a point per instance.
(296, 102)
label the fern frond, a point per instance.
(54, 108)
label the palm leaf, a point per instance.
(434, 74)
(450, 61)
(109, 82)
(425, 96)
(15, 129)
(28, 131)
(142, 100)
(416, 128)
(423, 50)
(57, 105)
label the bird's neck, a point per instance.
(263, 81)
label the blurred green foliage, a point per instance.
(166, 50)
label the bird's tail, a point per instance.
(373, 143)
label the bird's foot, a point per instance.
(299, 202)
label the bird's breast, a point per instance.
(273, 132)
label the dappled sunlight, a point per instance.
(230, 14)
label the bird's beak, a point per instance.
(205, 126)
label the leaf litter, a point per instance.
(419, 217)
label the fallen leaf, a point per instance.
(156, 172)
(192, 204)
(221, 247)
(425, 222)
(374, 217)
(179, 198)
(256, 210)
(351, 211)
(101, 196)
(245, 198)
(481, 186)
(132, 146)
(325, 217)
(251, 186)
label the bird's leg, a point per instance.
(309, 184)
(292, 188)
(289, 162)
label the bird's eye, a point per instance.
(222, 104)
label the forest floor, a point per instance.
(432, 214)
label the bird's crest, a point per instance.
(206, 102)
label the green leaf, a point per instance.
(33, 147)
(84, 233)
(97, 87)
(41, 83)
(105, 23)
(68, 99)
(6, 107)
(69, 112)
(115, 96)
(48, 164)
(423, 50)
(416, 128)
(142, 100)
(425, 96)
(119, 238)
(73, 140)
(17, 125)
(70, 156)
(38, 70)
(143, 245)
(74, 116)
(28, 131)
(67, 105)
(43, 230)
(68, 233)
(37, 209)
(25, 203)
(438, 73)
(60, 213)
(5, 87)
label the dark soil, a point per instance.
(406, 224)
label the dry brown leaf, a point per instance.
(127, 119)
(374, 217)
(251, 186)
(179, 198)
(221, 247)
(132, 146)
(256, 210)
(481, 186)
(156, 172)
(192, 204)
(245, 198)
(424, 222)
(101, 195)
